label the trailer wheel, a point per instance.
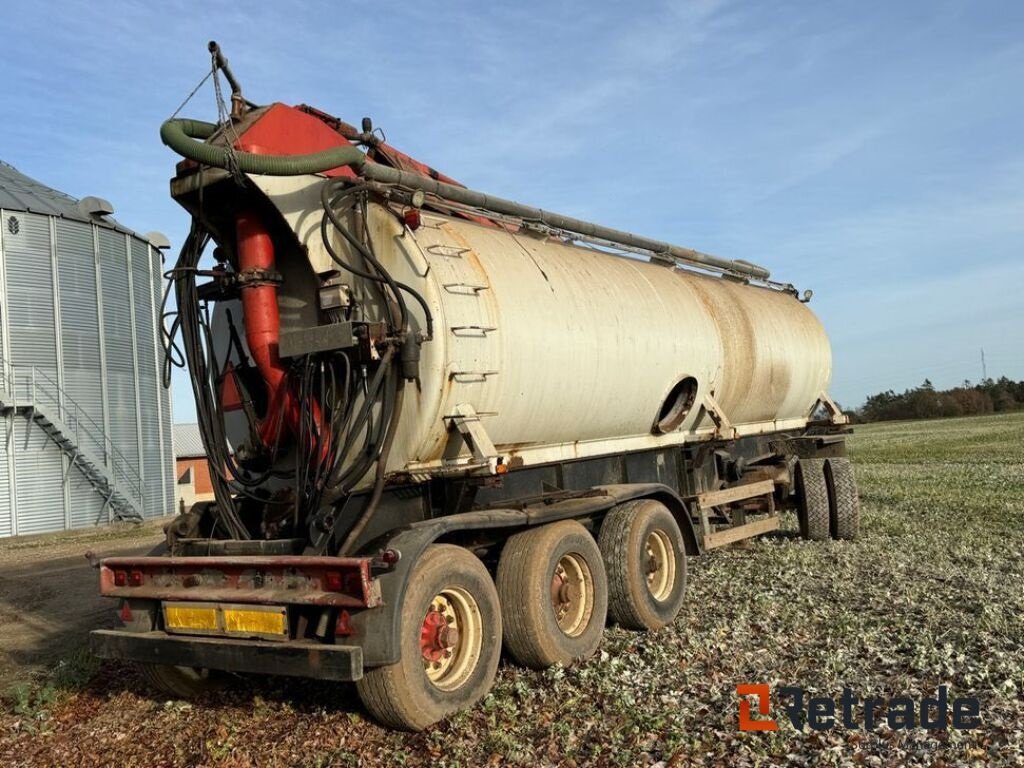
(812, 499)
(645, 559)
(179, 682)
(450, 645)
(844, 506)
(554, 594)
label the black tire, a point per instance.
(843, 502)
(812, 499)
(179, 682)
(558, 562)
(429, 683)
(635, 537)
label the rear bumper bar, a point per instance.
(295, 659)
(343, 582)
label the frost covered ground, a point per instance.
(932, 594)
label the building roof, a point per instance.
(188, 442)
(19, 192)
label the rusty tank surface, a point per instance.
(441, 423)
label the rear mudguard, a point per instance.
(378, 630)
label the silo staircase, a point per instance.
(30, 392)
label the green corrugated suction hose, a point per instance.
(186, 137)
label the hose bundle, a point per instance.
(196, 353)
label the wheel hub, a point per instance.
(570, 596)
(437, 636)
(659, 565)
(563, 591)
(450, 638)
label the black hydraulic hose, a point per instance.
(198, 350)
(354, 425)
(193, 331)
(340, 482)
(378, 485)
(188, 139)
(423, 304)
(368, 257)
(336, 257)
(310, 468)
(334, 484)
(329, 214)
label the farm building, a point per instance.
(85, 425)
(192, 469)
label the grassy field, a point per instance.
(932, 594)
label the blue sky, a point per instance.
(870, 151)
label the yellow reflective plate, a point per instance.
(191, 618)
(253, 621)
(269, 622)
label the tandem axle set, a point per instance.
(237, 608)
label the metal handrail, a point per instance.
(115, 459)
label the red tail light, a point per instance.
(135, 578)
(343, 626)
(120, 578)
(333, 582)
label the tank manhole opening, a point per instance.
(677, 405)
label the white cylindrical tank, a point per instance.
(564, 351)
(555, 344)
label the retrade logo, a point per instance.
(763, 693)
(821, 713)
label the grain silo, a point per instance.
(85, 430)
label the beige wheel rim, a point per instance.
(451, 638)
(572, 594)
(659, 565)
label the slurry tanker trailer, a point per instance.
(441, 423)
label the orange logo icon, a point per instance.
(747, 723)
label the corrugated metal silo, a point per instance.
(85, 430)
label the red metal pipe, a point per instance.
(263, 331)
(263, 322)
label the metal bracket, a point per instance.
(320, 338)
(835, 415)
(467, 421)
(257, 276)
(710, 499)
(723, 427)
